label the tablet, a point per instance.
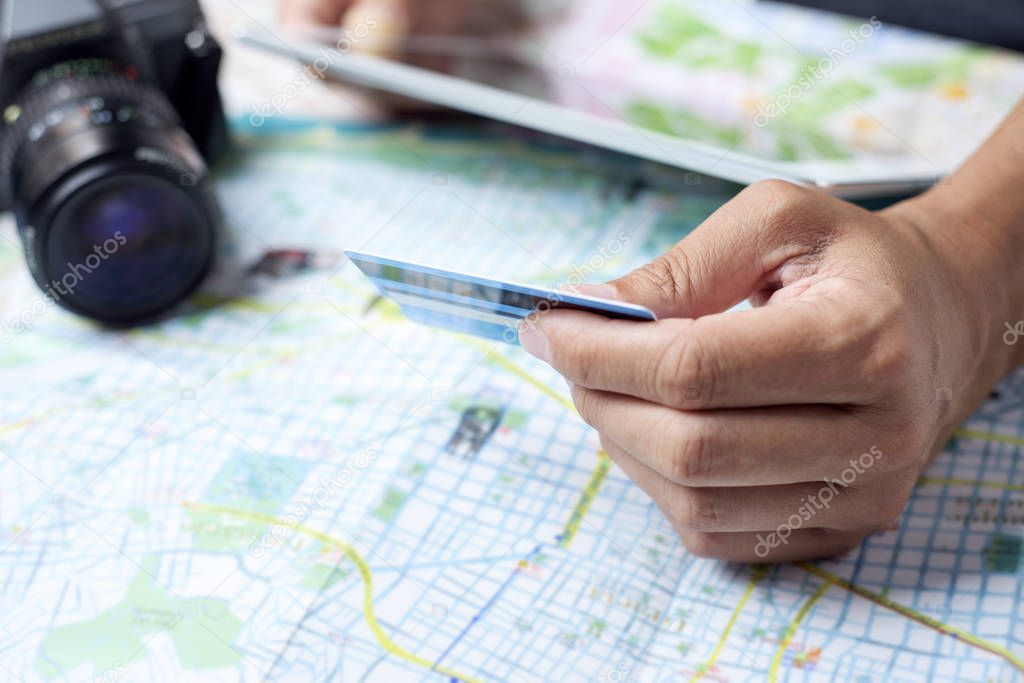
(742, 91)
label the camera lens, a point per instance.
(110, 196)
(126, 243)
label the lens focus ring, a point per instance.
(64, 107)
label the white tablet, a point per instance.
(742, 91)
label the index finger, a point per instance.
(773, 355)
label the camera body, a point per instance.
(109, 110)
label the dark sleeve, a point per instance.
(996, 22)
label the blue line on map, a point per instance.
(487, 605)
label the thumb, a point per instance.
(722, 262)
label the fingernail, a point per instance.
(533, 340)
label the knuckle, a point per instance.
(666, 276)
(586, 405)
(885, 347)
(774, 188)
(682, 375)
(908, 450)
(661, 445)
(694, 455)
(891, 359)
(774, 197)
(790, 213)
(576, 358)
(610, 448)
(889, 509)
(698, 509)
(883, 499)
(664, 375)
(699, 543)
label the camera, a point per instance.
(110, 111)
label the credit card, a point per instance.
(480, 306)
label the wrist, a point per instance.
(983, 251)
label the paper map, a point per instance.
(293, 483)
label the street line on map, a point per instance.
(522, 374)
(989, 436)
(791, 629)
(365, 573)
(516, 571)
(958, 481)
(942, 628)
(601, 467)
(587, 495)
(759, 573)
(923, 481)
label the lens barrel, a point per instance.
(110, 195)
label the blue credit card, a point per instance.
(483, 307)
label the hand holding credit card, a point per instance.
(483, 307)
